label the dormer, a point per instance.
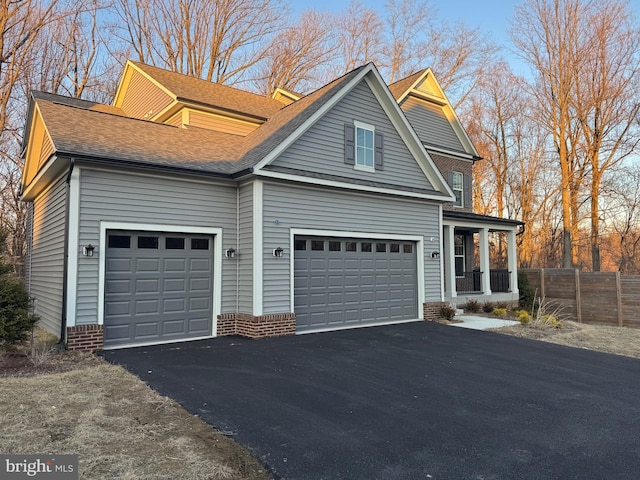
(157, 95)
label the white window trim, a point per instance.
(461, 190)
(463, 256)
(372, 129)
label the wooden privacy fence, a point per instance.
(602, 298)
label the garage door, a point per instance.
(158, 287)
(342, 282)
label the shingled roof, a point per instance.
(401, 86)
(195, 90)
(144, 142)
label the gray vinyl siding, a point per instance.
(47, 256)
(133, 198)
(334, 210)
(321, 148)
(431, 124)
(245, 247)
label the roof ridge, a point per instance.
(192, 78)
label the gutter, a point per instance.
(65, 269)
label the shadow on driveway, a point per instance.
(411, 401)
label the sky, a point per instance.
(491, 17)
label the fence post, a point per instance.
(619, 295)
(542, 283)
(578, 299)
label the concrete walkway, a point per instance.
(481, 323)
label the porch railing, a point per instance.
(471, 283)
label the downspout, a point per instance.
(238, 248)
(65, 268)
(524, 227)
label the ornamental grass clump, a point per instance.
(547, 315)
(472, 306)
(447, 312)
(523, 317)
(499, 312)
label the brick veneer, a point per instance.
(431, 310)
(85, 337)
(271, 325)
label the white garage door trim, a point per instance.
(217, 264)
(419, 240)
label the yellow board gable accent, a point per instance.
(39, 149)
(141, 96)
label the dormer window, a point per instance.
(363, 146)
(457, 185)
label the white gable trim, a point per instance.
(443, 197)
(397, 118)
(275, 153)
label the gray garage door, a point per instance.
(158, 287)
(342, 282)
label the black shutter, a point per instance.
(349, 144)
(379, 150)
(467, 199)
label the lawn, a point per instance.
(118, 426)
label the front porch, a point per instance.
(480, 259)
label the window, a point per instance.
(301, 245)
(458, 188)
(381, 248)
(148, 242)
(365, 247)
(174, 243)
(458, 252)
(199, 244)
(119, 241)
(407, 248)
(350, 246)
(364, 146)
(335, 246)
(317, 245)
(394, 248)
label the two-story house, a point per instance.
(188, 209)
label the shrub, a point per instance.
(447, 312)
(471, 306)
(523, 317)
(487, 307)
(501, 305)
(499, 312)
(527, 293)
(16, 319)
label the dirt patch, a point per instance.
(118, 426)
(616, 340)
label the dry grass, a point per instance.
(616, 340)
(118, 426)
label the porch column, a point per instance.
(512, 261)
(485, 265)
(449, 262)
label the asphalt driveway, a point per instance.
(412, 401)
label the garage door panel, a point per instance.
(158, 294)
(118, 265)
(175, 265)
(174, 285)
(151, 265)
(200, 265)
(147, 285)
(117, 286)
(337, 286)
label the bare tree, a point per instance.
(547, 34)
(297, 54)
(21, 24)
(359, 37)
(606, 99)
(216, 40)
